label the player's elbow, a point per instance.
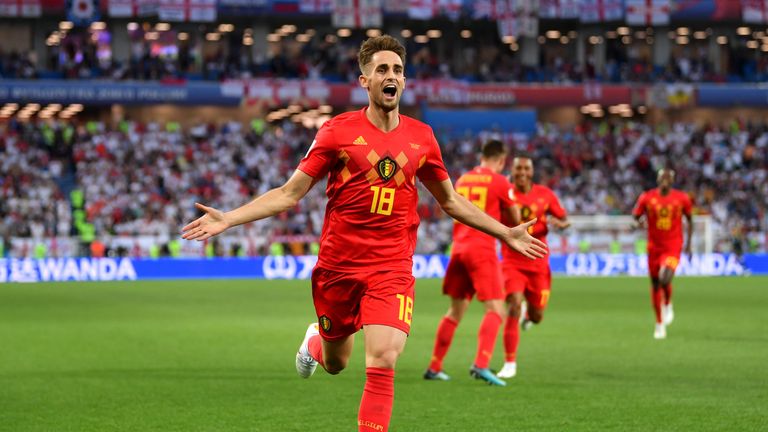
(290, 198)
(451, 206)
(291, 203)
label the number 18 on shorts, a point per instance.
(346, 301)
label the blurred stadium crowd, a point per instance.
(143, 179)
(486, 59)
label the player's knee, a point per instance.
(498, 308)
(535, 315)
(515, 309)
(455, 315)
(334, 366)
(665, 276)
(385, 358)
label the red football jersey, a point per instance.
(491, 193)
(371, 219)
(664, 216)
(537, 203)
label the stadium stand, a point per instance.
(325, 56)
(142, 179)
(68, 173)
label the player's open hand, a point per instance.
(520, 240)
(206, 226)
(560, 224)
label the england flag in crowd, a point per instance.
(755, 11)
(20, 8)
(357, 13)
(559, 9)
(648, 12)
(594, 11)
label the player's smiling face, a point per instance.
(522, 172)
(384, 79)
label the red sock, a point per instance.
(656, 298)
(511, 338)
(667, 293)
(376, 404)
(315, 345)
(443, 340)
(486, 338)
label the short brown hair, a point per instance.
(493, 149)
(380, 43)
(523, 155)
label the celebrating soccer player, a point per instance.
(524, 279)
(664, 209)
(474, 267)
(363, 276)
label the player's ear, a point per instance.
(363, 81)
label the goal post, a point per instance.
(614, 234)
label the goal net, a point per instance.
(614, 234)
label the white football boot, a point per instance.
(508, 371)
(305, 364)
(660, 332)
(667, 314)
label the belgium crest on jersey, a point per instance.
(386, 168)
(325, 323)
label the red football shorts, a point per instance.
(474, 273)
(345, 302)
(535, 285)
(659, 258)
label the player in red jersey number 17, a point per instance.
(474, 268)
(371, 159)
(664, 209)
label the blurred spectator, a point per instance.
(483, 58)
(143, 179)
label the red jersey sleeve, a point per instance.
(687, 204)
(503, 190)
(433, 167)
(506, 193)
(555, 208)
(322, 154)
(639, 209)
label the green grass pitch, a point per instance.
(218, 356)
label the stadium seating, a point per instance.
(143, 179)
(336, 61)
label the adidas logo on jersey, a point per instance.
(359, 141)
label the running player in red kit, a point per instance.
(363, 276)
(524, 279)
(474, 267)
(664, 209)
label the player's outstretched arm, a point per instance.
(638, 223)
(273, 202)
(467, 213)
(513, 215)
(560, 223)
